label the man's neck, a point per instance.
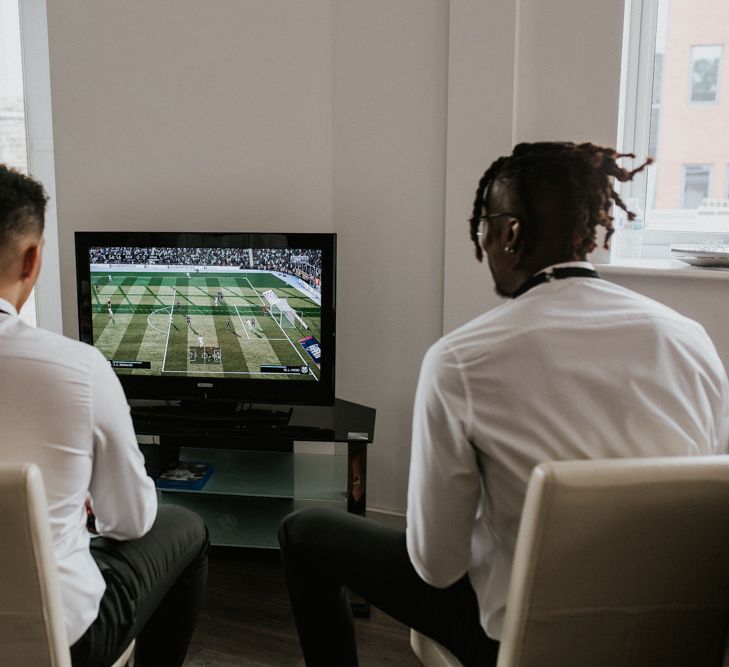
(7, 306)
(12, 295)
(545, 263)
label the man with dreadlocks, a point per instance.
(570, 367)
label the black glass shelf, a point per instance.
(343, 422)
(298, 475)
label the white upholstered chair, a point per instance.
(619, 563)
(32, 632)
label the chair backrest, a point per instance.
(621, 562)
(32, 631)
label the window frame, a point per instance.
(39, 141)
(639, 46)
(636, 93)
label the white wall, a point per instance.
(568, 70)
(214, 116)
(566, 86)
(520, 70)
(275, 115)
(390, 104)
(480, 127)
(371, 118)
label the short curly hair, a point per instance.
(22, 205)
(577, 178)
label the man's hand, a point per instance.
(90, 517)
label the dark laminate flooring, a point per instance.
(246, 621)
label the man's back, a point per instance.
(583, 368)
(573, 369)
(46, 404)
(62, 408)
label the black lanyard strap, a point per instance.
(555, 274)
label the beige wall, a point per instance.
(249, 115)
(390, 87)
(568, 70)
(370, 118)
(520, 71)
(192, 119)
(480, 128)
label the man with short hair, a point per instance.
(570, 367)
(63, 408)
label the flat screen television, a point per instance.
(218, 318)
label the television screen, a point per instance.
(235, 316)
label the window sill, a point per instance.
(663, 268)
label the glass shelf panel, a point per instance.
(270, 474)
(238, 521)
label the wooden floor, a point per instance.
(246, 620)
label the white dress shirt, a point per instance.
(63, 408)
(578, 368)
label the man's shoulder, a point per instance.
(44, 345)
(489, 327)
(617, 300)
(574, 309)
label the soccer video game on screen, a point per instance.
(225, 312)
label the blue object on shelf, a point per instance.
(189, 475)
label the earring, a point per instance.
(508, 249)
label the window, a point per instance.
(705, 73)
(681, 121)
(12, 115)
(696, 184)
(26, 135)
(13, 147)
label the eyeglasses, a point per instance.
(485, 218)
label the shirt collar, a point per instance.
(7, 307)
(564, 265)
(556, 272)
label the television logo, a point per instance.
(313, 349)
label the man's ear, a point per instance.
(31, 259)
(512, 235)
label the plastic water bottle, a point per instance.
(630, 232)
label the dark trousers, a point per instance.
(154, 588)
(324, 550)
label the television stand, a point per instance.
(200, 411)
(263, 467)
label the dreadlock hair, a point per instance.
(22, 205)
(575, 179)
